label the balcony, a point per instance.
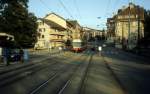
(58, 33)
(56, 40)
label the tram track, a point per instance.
(85, 66)
(11, 76)
(81, 87)
(58, 73)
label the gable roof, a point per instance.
(132, 9)
(55, 15)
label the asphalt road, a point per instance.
(112, 72)
(132, 71)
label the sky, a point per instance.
(88, 13)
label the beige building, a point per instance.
(111, 30)
(43, 30)
(52, 31)
(92, 33)
(76, 29)
(129, 26)
(58, 32)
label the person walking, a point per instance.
(60, 49)
(6, 56)
(21, 56)
(25, 55)
(100, 49)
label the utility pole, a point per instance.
(123, 34)
(129, 20)
(139, 33)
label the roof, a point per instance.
(73, 22)
(54, 25)
(54, 14)
(132, 9)
(5, 34)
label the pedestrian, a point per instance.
(21, 55)
(50, 47)
(100, 49)
(60, 49)
(25, 55)
(6, 56)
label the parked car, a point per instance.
(15, 55)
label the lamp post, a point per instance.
(97, 26)
(129, 21)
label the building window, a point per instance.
(42, 36)
(40, 30)
(40, 23)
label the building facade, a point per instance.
(43, 30)
(77, 32)
(129, 26)
(52, 32)
(111, 29)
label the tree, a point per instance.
(147, 23)
(68, 43)
(144, 42)
(16, 20)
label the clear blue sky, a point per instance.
(84, 11)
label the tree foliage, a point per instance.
(144, 42)
(147, 23)
(68, 43)
(16, 20)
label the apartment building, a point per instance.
(77, 32)
(55, 31)
(129, 26)
(43, 30)
(111, 29)
(52, 32)
(58, 32)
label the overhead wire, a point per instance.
(65, 8)
(77, 9)
(107, 8)
(116, 3)
(45, 5)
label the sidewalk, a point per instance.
(15, 65)
(35, 57)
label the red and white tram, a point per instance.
(78, 45)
